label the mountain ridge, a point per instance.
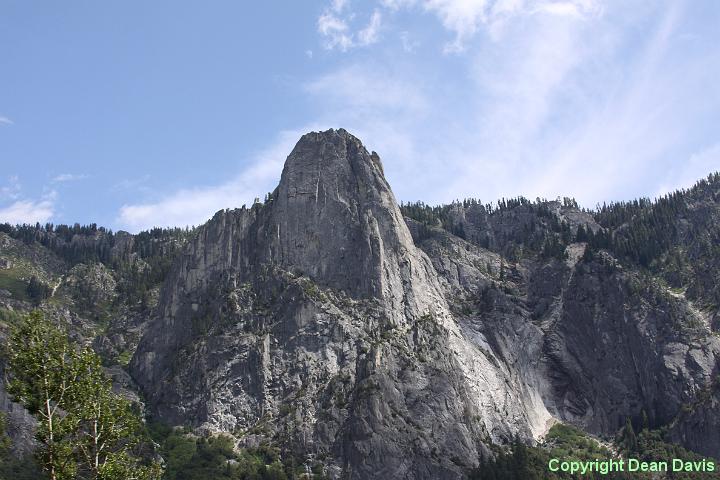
(407, 340)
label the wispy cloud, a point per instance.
(391, 109)
(337, 29)
(5, 121)
(68, 177)
(630, 132)
(368, 87)
(685, 174)
(338, 6)
(370, 34)
(11, 191)
(137, 183)
(465, 18)
(585, 97)
(408, 43)
(194, 206)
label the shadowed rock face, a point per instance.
(314, 321)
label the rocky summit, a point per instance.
(389, 341)
(314, 319)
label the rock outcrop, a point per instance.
(315, 321)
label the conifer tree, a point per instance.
(629, 437)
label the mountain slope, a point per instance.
(385, 341)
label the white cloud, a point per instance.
(560, 8)
(29, 211)
(463, 18)
(335, 31)
(369, 34)
(21, 210)
(335, 27)
(631, 128)
(195, 206)
(26, 211)
(68, 177)
(5, 121)
(338, 6)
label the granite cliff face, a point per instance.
(314, 320)
(324, 321)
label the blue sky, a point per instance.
(133, 114)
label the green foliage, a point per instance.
(12, 281)
(565, 442)
(645, 229)
(649, 228)
(85, 431)
(198, 458)
(140, 264)
(628, 438)
(190, 457)
(522, 462)
(554, 247)
(10, 317)
(523, 226)
(519, 463)
(124, 358)
(649, 445)
(642, 231)
(4, 440)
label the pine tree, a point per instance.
(629, 437)
(581, 235)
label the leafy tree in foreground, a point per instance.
(85, 431)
